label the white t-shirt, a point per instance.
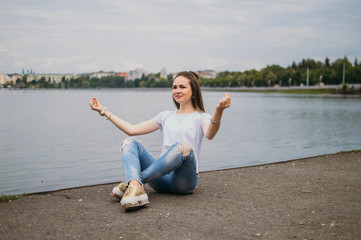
(182, 128)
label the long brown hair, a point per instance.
(197, 99)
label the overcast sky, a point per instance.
(76, 36)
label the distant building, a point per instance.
(163, 73)
(136, 74)
(207, 74)
(203, 74)
(28, 71)
(4, 78)
(101, 74)
(123, 74)
(49, 76)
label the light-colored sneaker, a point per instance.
(134, 198)
(119, 190)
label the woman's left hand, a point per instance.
(224, 102)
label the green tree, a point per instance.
(25, 79)
(338, 67)
(271, 78)
(327, 62)
(94, 82)
(84, 83)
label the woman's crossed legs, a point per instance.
(174, 172)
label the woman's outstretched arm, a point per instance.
(127, 128)
(210, 130)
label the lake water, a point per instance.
(50, 139)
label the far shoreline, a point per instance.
(342, 90)
(352, 89)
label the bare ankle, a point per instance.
(136, 183)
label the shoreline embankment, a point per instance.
(342, 90)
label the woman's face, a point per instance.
(182, 90)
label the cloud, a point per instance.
(77, 36)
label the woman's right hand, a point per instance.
(95, 105)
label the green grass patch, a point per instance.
(352, 151)
(9, 198)
(309, 91)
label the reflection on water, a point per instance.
(50, 139)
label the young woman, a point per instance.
(176, 171)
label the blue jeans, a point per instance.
(174, 172)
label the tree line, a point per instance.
(294, 75)
(327, 72)
(146, 81)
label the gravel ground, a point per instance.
(313, 198)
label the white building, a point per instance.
(53, 77)
(207, 74)
(136, 74)
(101, 74)
(163, 73)
(203, 74)
(4, 78)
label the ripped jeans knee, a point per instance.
(134, 158)
(128, 141)
(184, 148)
